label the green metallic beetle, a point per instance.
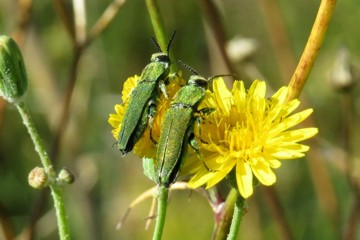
(142, 103)
(178, 129)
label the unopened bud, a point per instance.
(65, 176)
(38, 178)
(13, 79)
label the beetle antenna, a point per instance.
(188, 68)
(156, 44)
(170, 41)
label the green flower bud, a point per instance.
(13, 79)
(38, 178)
(65, 176)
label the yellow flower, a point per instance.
(248, 133)
(144, 147)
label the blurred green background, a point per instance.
(314, 192)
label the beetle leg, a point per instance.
(194, 145)
(198, 118)
(162, 87)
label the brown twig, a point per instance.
(279, 37)
(285, 56)
(214, 20)
(145, 195)
(104, 21)
(64, 116)
(312, 48)
(64, 13)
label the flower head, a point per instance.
(248, 133)
(144, 147)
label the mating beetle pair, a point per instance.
(178, 124)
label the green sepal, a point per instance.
(13, 79)
(149, 168)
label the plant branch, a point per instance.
(213, 18)
(56, 191)
(312, 48)
(104, 21)
(161, 212)
(236, 220)
(223, 218)
(63, 12)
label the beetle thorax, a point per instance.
(198, 81)
(160, 58)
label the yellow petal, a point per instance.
(274, 163)
(222, 95)
(244, 179)
(289, 151)
(200, 178)
(291, 121)
(114, 120)
(218, 175)
(280, 95)
(264, 173)
(129, 85)
(295, 135)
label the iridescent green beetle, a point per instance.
(178, 129)
(143, 98)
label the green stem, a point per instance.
(64, 231)
(161, 212)
(39, 146)
(157, 22)
(56, 192)
(159, 28)
(223, 225)
(235, 223)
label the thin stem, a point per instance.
(279, 37)
(157, 22)
(159, 28)
(161, 213)
(80, 21)
(64, 231)
(238, 213)
(56, 192)
(214, 20)
(222, 225)
(39, 146)
(64, 13)
(312, 48)
(65, 112)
